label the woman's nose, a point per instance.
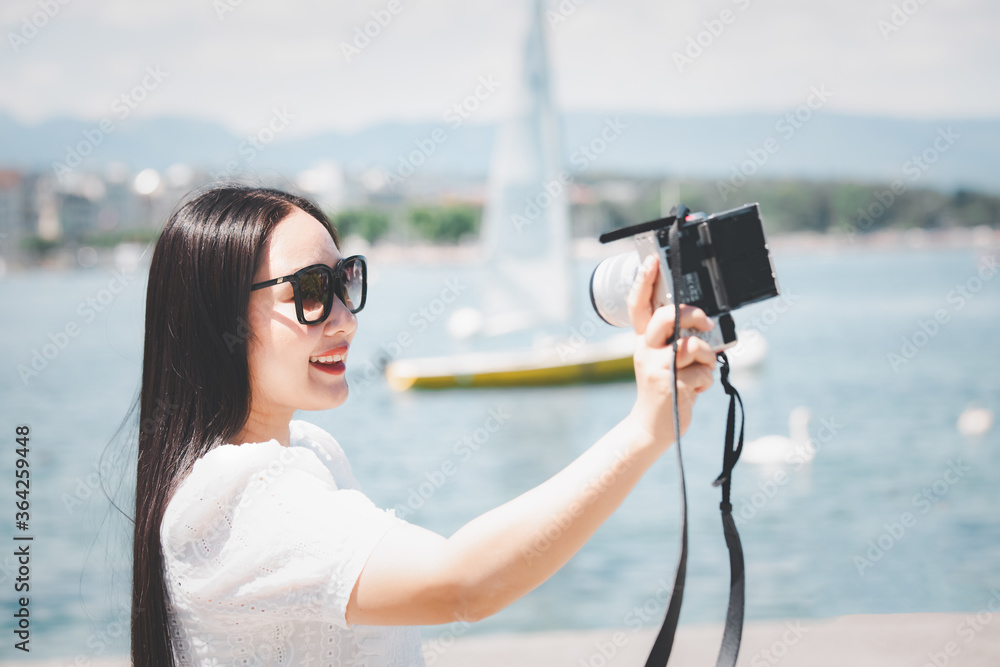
(341, 318)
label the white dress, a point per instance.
(262, 546)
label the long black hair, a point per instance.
(195, 392)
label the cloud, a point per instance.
(234, 66)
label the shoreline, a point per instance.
(590, 249)
(865, 640)
(984, 238)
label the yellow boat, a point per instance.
(561, 364)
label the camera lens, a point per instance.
(609, 287)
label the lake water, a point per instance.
(824, 540)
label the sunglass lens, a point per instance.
(314, 289)
(353, 284)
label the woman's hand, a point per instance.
(653, 409)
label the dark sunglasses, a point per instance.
(315, 286)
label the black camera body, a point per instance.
(725, 263)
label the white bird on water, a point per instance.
(974, 421)
(774, 449)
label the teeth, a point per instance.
(328, 360)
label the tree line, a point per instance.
(786, 206)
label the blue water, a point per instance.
(885, 436)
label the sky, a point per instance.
(237, 62)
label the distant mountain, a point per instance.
(943, 154)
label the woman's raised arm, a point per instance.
(416, 577)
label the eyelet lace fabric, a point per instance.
(262, 546)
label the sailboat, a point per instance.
(528, 282)
(537, 366)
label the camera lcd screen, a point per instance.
(725, 261)
(743, 257)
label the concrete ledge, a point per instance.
(885, 640)
(888, 640)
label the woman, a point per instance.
(253, 544)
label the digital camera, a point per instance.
(725, 264)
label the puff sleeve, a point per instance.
(260, 533)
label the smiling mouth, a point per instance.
(333, 364)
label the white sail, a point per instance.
(526, 234)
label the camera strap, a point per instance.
(660, 653)
(731, 454)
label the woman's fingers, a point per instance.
(660, 326)
(692, 350)
(697, 377)
(640, 298)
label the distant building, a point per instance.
(46, 222)
(11, 209)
